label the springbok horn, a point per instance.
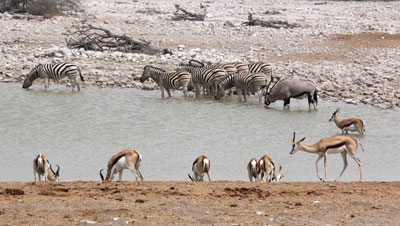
(101, 175)
(337, 110)
(294, 136)
(52, 170)
(58, 170)
(191, 178)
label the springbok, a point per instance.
(127, 159)
(330, 145)
(200, 166)
(267, 168)
(351, 124)
(41, 166)
(291, 88)
(253, 169)
(277, 175)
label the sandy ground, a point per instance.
(207, 203)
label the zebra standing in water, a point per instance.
(261, 67)
(203, 76)
(167, 80)
(243, 82)
(55, 72)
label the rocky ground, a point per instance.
(207, 203)
(349, 49)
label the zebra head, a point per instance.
(31, 76)
(220, 92)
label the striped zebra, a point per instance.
(203, 76)
(243, 82)
(263, 67)
(167, 80)
(55, 72)
(229, 68)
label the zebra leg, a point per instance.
(162, 91)
(77, 84)
(239, 92)
(46, 82)
(197, 89)
(185, 91)
(244, 96)
(169, 93)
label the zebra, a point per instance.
(263, 67)
(167, 80)
(243, 82)
(229, 68)
(203, 76)
(54, 71)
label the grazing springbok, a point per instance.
(330, 145)
(253, 169)
(200, 166)
(41, 166)
(350, 124)
(291, 88)
(267, 168)
(127, 159)
(277, 175)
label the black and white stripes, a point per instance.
(243, 82)
(167, 80)
(204, 76)
(55, 72)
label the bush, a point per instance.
(39, 7)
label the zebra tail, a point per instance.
(80, 74)
(316, 97)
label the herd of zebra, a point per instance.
(214, 79)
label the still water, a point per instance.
(80, 131)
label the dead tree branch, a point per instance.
(270, 23)
(182, 14)
(100, 39)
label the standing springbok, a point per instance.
(267, 168)
(41, 166)
(200, 166)
(253, 170)
(330, 145)
(351, 124)
(127, 159)
(290, 88)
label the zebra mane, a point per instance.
(154, 68)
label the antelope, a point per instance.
(351, 124)
(127, 159)
(330, 145)
(41, 166)
(276, 175)
(200, 166)
(267, 168)
(291, 88)
(253, 169)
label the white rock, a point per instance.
(260, 213)
(88, 222)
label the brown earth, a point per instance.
(207, 203)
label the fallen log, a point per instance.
(183, 14)
(100, 39)
(270, 23)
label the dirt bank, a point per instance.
(207, 203)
